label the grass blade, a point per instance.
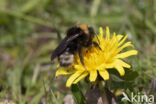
(77, 94)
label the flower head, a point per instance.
(99, 61)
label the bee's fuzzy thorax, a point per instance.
(84, 27)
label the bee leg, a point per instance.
(81, 57)
(96, 44)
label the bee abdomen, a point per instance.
(66, 59)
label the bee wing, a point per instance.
(62, 46)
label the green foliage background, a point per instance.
(31, 29)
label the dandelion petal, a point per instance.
(119, 37)
(62, 72)
(127, 54)
(104, 74)
(122, 63)
(120, 69)
(72, 78)
(124, 46)
(123, 40)
(93, 75)
(101, 32)
(107, 33)
(80, 77)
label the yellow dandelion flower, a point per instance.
(97, 60)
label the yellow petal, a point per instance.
(79, 67)
(58, 65)
(109, 65)
(123, 40)
(103, 66)
(120, 69)
(63, 71)
(119, 37)
(107, 33)
(80, 77)
(122, 63)
(101, 32)
(112, 41)
(124, 46)
(127, 54)
(104, 74)
(93, 75)
(73, 77)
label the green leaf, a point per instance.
(37, 98)
(77, 94)
(29, 5)
(116, 78)
(130, 75)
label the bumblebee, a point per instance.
(78, 37)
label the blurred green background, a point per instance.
(31, 29)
